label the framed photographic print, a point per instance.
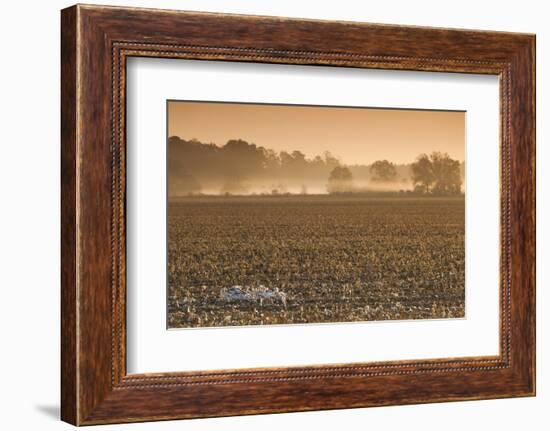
(265, 215)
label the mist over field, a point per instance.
(241, 168)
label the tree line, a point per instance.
(435, 174)
(195, 167)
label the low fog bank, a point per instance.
(289, 187)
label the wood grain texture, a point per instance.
(96, 41)
(69, 366)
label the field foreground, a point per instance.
(317, 258)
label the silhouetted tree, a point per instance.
(447, 174)
(243, 159)
(437, 174)
(330, 161)
(422, 174)
(382, 170)
(340, 180)
(271, 162)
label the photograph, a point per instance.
(297, 214)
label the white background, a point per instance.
(29, 215)
(151, 348)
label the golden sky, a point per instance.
(355, 135)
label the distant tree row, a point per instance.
(194, 166)
(340, 180)
(383, 171)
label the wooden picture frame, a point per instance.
(95, 43)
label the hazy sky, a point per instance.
(356, 135)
